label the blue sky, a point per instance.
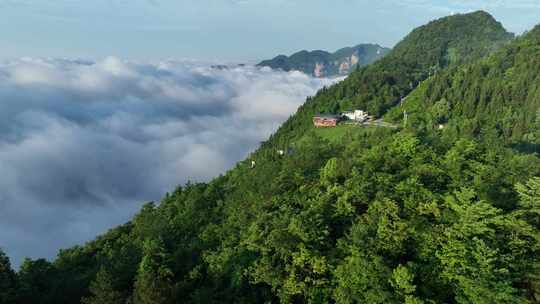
(235, 30)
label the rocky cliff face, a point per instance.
(325, 64)
(347, 65)
(319, 69)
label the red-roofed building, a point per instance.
(326, 120)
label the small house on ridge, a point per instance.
(326, 120)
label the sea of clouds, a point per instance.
(84, 144)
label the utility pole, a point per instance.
(405, 118)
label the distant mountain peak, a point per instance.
(321, 63)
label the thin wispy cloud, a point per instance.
(234, 30)
(470, 5)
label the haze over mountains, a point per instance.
(325, 64)
(443, 209)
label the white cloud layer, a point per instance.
(83, 145)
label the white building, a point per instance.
(357, 115)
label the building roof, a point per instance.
(327, 116)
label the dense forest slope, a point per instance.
(417, 214)
(496, 97)
(325, 64)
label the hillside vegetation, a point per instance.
(418, 214)
(496, 97)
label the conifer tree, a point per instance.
(103, 291)
(7, 280)
(154, 279)
(34, 281)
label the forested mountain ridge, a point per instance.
(324, 64)
(417, 214)
(497, 97)
(442, 43)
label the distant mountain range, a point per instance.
(324, 64)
